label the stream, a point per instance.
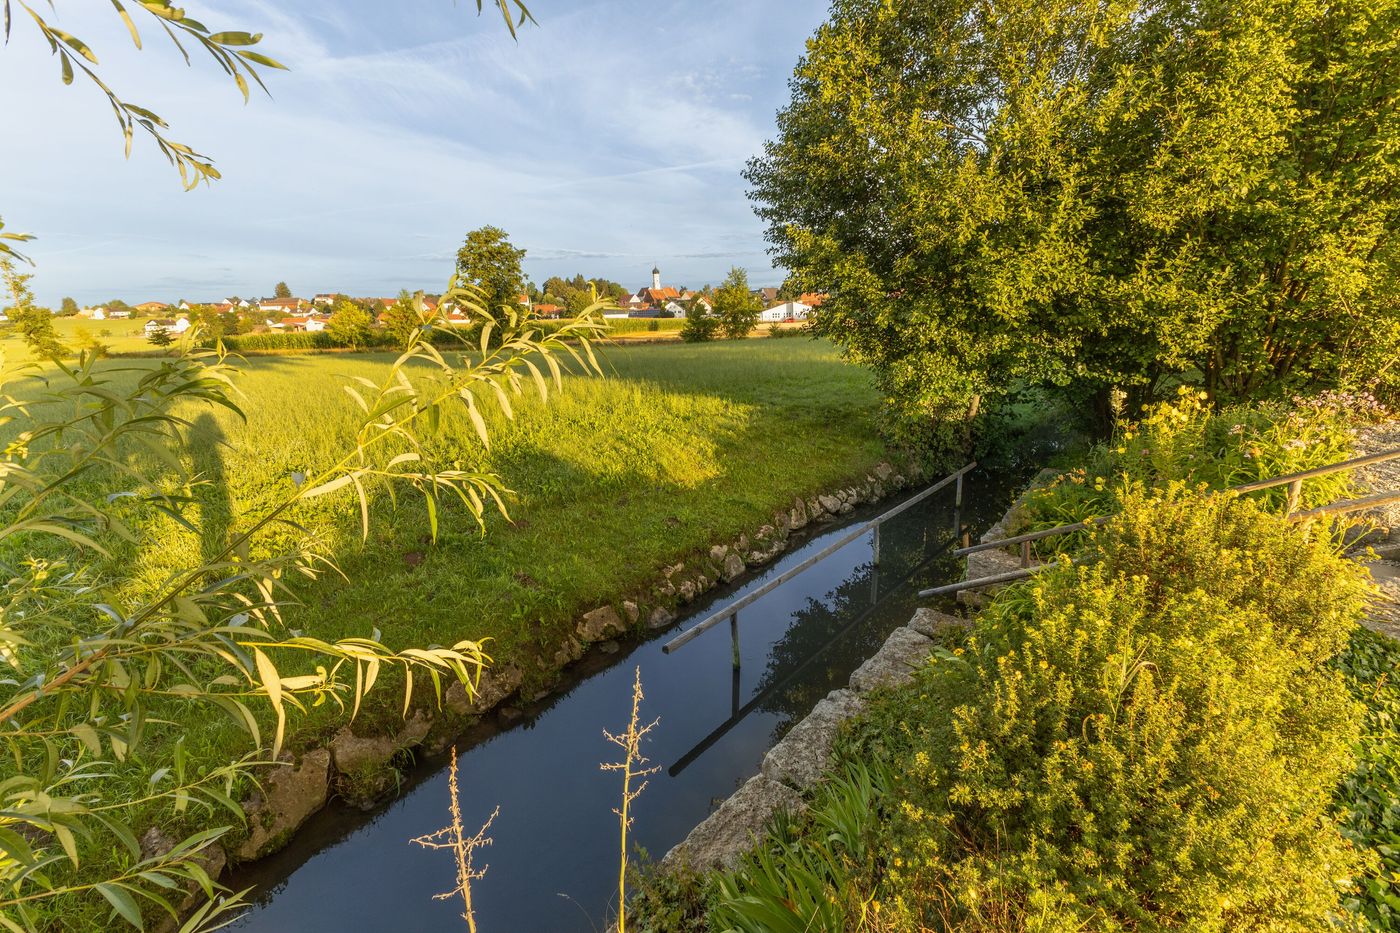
(553, 862)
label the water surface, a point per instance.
(553, 862)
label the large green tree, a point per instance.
(490, 263)
(735, 305)
(1093, 195)
(349, 323)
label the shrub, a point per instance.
(1368, 799)
(699, 327)
(1183, 441)
(1147, 743)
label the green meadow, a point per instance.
(676, 447)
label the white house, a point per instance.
(159, 323)
(678, 309)
(787, 311)
(309, 324)
(96, 314)
(181, 324)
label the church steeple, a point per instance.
(656, 277)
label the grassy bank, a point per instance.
(1188, 732)
(676, 448)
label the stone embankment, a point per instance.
(360, 768)
(797, 762)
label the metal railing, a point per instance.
(1294, 482)
(731, 610)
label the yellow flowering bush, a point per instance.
(1149, 742)
(1184, 441)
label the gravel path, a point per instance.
(1383, 477)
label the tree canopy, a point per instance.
(490, 263)
(1095, 195)
(735, 305)
(349, 323)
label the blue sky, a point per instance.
(609, 138)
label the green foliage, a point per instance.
(89, 344)
(1149, 742)
(815, 877)
(404, 317)
(350, 325)
(489, 262)
(68, 307)
(1096, 195)
(735, 306)
(101, 462)
(214, 324)
(579, 292)
(700, 326)
(34, 324)
(1186, 442)
(1368, 800)
(7, 241)
(160, 337)
(281, 290)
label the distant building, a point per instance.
(324, 300)
(653, 298)
(678, 309)
(549, 311)
(787, 311)
(159, 323)
(96, 314)
(281, 305)
(306, 324)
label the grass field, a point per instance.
(676, 447)
(123, 337)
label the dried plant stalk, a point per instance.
(453, 837)
(632, 766)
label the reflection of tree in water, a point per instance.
(817, 627)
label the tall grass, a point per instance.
(676, 448)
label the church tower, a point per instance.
(656, 278)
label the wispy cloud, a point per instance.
(607, 139)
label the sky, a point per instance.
(609, 138)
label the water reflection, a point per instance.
(554, 847)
